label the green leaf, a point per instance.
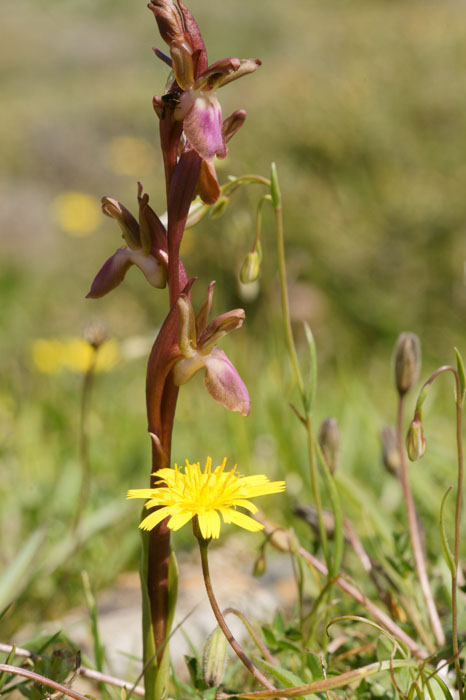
(315, 666)
(269, 636)
(275, 188)
(283, 676)
(447, 553)
(93, 613)
(20, 571)
(311, 388)
(462, 374)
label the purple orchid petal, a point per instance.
(128, 224)
(186, 326)
(154, 272)
(247, 65)
(152, 231)
(203, 126)
(195, 38)
(224, 384)
(219, 327)
(183, 68)
(186, 367)
(168, 19)
(111, 274)
(233, 123)
(208, 188)
(217, 73)
(203, 315)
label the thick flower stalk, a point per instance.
(206, 495)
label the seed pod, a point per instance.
(330, 441)
(214, 658)
(415, 440)
(390, 453)
(407, 356)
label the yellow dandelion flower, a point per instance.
(77, 213)
(47, 355)
(73, 354)
(206, 495)
(78, 355)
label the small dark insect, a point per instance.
(170, 100)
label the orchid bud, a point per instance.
(250, 268)
(390, 453)
(329, 441)
(214, 658)
(415, 440)
(407, 356)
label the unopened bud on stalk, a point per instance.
(330, 441)
(390, 453)
(250, 268)
(415, 440)
(260, 565)
(407, 356)
(214, 658)
(95, 335)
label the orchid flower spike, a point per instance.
(193, 94)
(146, 247)
(197, 344)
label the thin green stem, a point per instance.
(316, 492)
(299, 379)
(459, 494)
(253, 670)
(285, 302)
(84, 460)
(414, 534)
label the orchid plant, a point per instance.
(192, 134)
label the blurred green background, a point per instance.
(362, 106)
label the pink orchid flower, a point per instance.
(193, 94)
(146, 247)
(197, 344)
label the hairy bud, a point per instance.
(415, 440)
(407, 356)
(214, 658)
(329, 441)
(390, 453)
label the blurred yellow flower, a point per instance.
(127, 155)
(206, 495)
(74, 354)
(77, 213)
(47, 356)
